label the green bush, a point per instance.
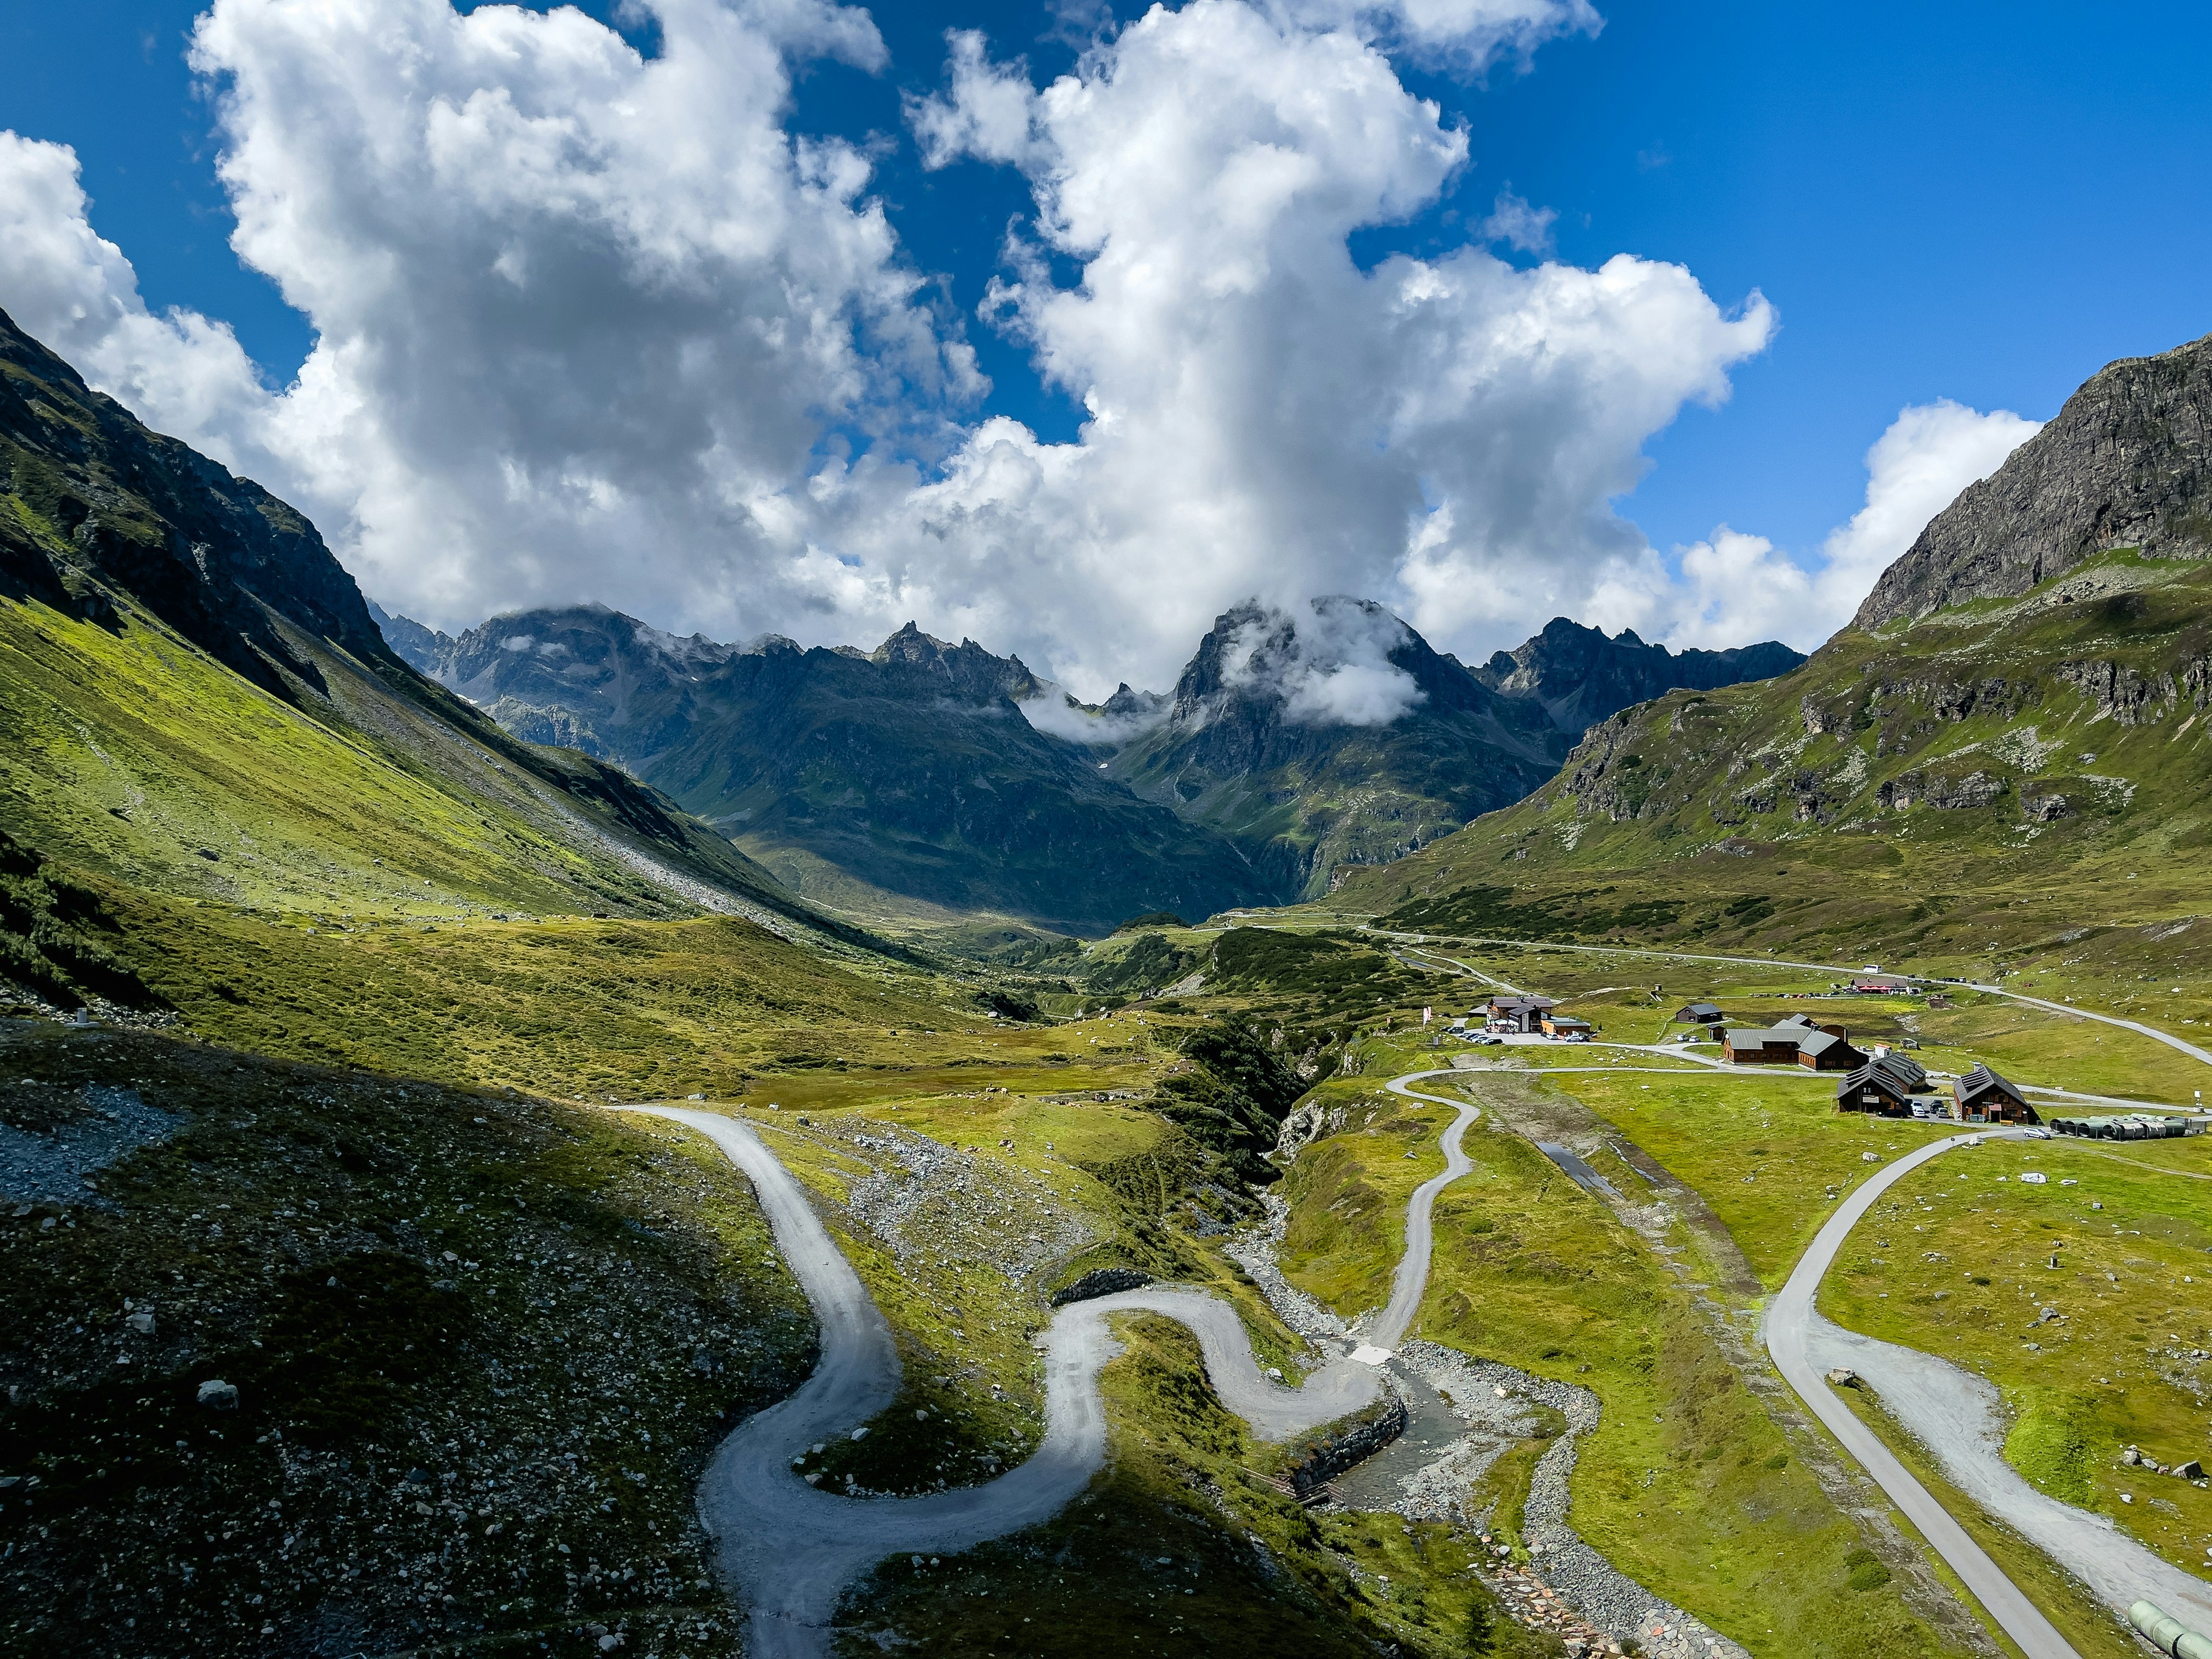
(1865, 1571)
(2048, 1444)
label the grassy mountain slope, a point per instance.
(193, 698)
(2003, 776)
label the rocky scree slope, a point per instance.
(195, 698)
(2127, 464)
(308, 1361)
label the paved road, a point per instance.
(790, 1549)
(1960, 1417)
(1788, 1329)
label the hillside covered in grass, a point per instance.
(2001, 779)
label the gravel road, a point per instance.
(790, 1549)
(1788, 1330)
(1413, 1275)
(1957, 1416)
(2151, 1031)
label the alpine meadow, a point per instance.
(829, 831)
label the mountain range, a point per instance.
(1291, 748)
(2008, 745)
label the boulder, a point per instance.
(218, 1396)
(1842, 1377)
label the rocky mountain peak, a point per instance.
(108, 507)
(1580, 677)
(2126, 463)
(910, 644)
(967, 670)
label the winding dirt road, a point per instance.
(790, 1549)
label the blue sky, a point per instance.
(1981, 204)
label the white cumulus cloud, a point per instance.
(1327, 663)
(592, 325)
(1737, 588)
(1265, 417)
(1518, 225)
(75, 291)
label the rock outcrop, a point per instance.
(109, 508)
(1579, 677)
(2127, 463)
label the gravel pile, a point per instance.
(926, 1198)
(85, 1131)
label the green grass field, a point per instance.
(1956, 1262)
(1687, 1484)
(1770, 1155)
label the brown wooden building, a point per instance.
(1983, 1096)
(1884, 1085)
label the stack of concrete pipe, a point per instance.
(2168, 1634)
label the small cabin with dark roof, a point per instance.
(1884, 1085)
(1761, 1045)
(1827, 1051)
(1559, 1026)
(1983, 1096)
(1699, 1014)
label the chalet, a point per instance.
(1827, 1051)
(1811, 1025)
(1885, 1085)
(1699, 1014)
(1878, 985)
(1561, 1025)
(1761, 1045)
(1983, 1096)
(1524, 1014)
